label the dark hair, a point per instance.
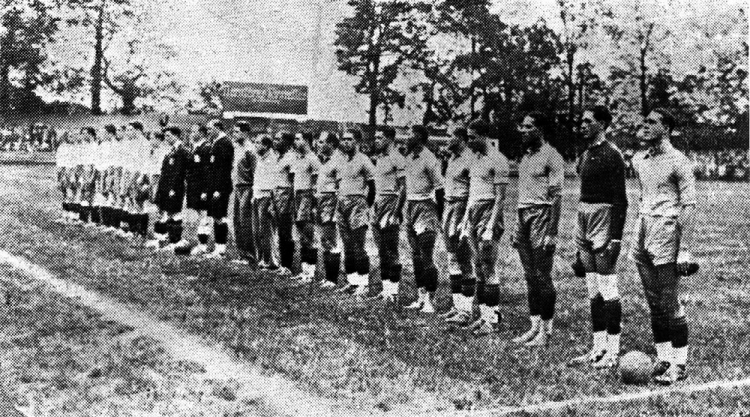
(601, 115)
(159, 136)
(332, 139)
(266, 141)
(461, 132)
(307, 136)
(388, 132)
(481, 127)
(174, 130)
(89, 130)
(217, 124)
(137, 126)
(421, 132)
(203, 130)
(356, 133)
(286, 137)
(244, 127)
(667, 119)
(111, 129)
(540, 121)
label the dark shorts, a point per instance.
(353, 212)
(421, 216)
(657, 240)
(193, 197)
(386, 211)
(480, 213)
(327, 208)
(218, 207)
(283, 203)
(304, 206)
(593, 228)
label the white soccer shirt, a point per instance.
(485, 172)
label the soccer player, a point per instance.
(424, 207)
(460, 269)
(390, 185)
(663, 240)
(170, 191)
(263, 214)
(483, 225)
(540, 179)
(327, 199)
(107, 156)
(306, 166)
(197, 175)
(88, 174)
(142, 169)
(219, 186)
(64, 169)
(356, 195)
(602, 209)
(243, 177)
(283, 198)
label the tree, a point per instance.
(27, 28)
(375, 43)
(140, 74)
(467, 19)
(103, 18)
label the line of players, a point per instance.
(278, 183)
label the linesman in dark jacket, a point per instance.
(197, 174)
(170, 191)
(219, 185)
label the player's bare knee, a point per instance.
(608, 287)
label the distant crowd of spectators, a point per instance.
(727, 165)
(28, 138)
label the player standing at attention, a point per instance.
(601, 218)
(663, 240)
(541, 174)
(197, 175)
(327, 199)
(390, 184)
(424, 208)
(460, 269)
(170, 190)
(264, 215)
(101, 151)
(88, 174)
(219, 185)
(356, 195)
(483, 224)
(243, 177)
(142, 170)
(63, 159)
(107, 157)
(283, 198)
(306, 166)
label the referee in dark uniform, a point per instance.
(219, 184)
(170, 191)
(197, 174)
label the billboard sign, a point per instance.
(242, 97)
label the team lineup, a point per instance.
(324, 188)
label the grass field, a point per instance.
(375, 357)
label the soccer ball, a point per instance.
(635, 367)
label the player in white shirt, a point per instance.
(64, 172)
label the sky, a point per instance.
(291, 42)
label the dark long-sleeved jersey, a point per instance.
(221, 163)
(602, 171)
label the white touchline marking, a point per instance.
(633, 396)
(280, 394)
